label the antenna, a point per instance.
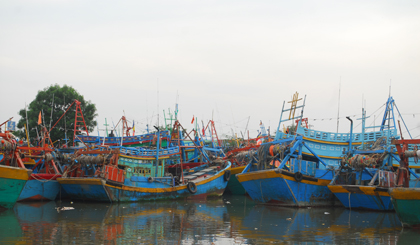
(52, 109)
(232, 119)
(65, 126)
(147, 117)
(338, 113)
(158, 102)
(176, 107)
(27, 123)
(389, 88)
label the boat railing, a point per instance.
(345, 137)
(149, 152)
(135, 138)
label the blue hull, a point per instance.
(278, 187)
(212, 187)
(86, 189)
(36, 190)
(96, 189)
(376, 201)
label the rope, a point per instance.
(44, 180)
(349, 201)
(324, 174)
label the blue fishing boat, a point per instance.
(366, 172)
(300, 184)
(317, 151)
(331, 146)
(183, 170)
(42, 184)
(129, 141)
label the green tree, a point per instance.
(58, 99)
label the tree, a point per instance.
(57, 99)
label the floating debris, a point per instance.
(63, 209)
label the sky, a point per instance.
(235, 62)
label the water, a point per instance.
(228, 220)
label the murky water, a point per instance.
(229, 220)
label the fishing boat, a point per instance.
(42, 184)
(124, 174)
(406, 200)
(13, 174)
(364, 180)
(331, 146)
(366, 173)
(301, 184)
(321, 154)
(239, 158)
(143, 140)
(241, 154)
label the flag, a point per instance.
(39, 118)
(134, 128)
(192, 121)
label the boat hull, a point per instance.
(12, 182)
(40, 188)
(278, 187)
(213, 186)
(406, 202)
(363, 197)
(97, 189)
(234, 187)
(86, 189)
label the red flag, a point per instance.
(192, 121)
(39, 118)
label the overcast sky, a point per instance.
(230, 60)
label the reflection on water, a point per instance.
(230, 220)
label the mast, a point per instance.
(157, 151)
(27, 123)
(338, 113)
(52, 109)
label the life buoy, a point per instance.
(298, 176)
(192, 187)
(226, 175)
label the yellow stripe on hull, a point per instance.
(162, 190)
(321, 156)
(143, 158)
(337, 189)
(371, 190)
(237, 170)
(331, 142)
(405, 193)
(367, 190)
(81, 181)
(269, 174)
(7, 172)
